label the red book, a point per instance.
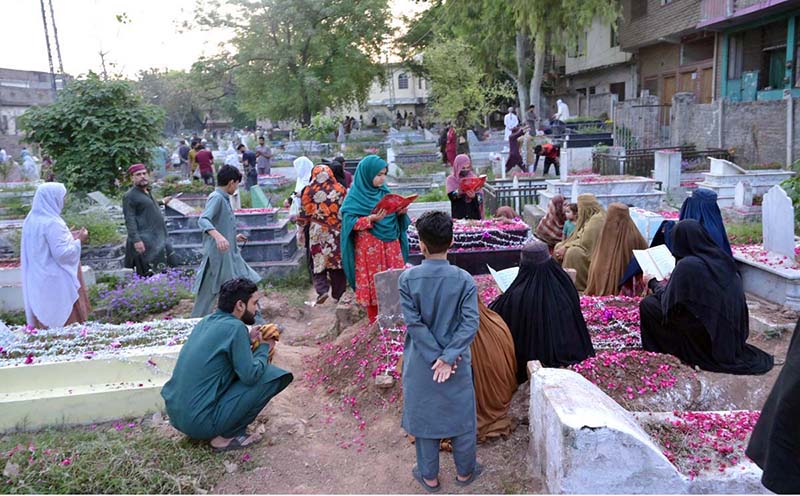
(393, 203)
(472, 184)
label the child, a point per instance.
(571, 212)
(440, 308)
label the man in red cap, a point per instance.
(147, 249)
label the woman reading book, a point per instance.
(465, 203)
(372, 242)
(700, 314)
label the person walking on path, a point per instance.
(510, 121)
(263, 156)
(147, 248)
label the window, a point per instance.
(735, 57)
(614, 37)
(665, 2)
(419, 83)
(638, 9)
(696, 51)
(579, 49)
(592, 90)
(581, 91)
(402, 81)
(619, 90)
(651, 85)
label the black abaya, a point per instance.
(775, 443)
(704, 295)
(542, 310)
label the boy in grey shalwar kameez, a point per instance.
(440, 308)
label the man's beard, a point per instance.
(143, 184)
(249, 318)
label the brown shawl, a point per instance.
(613, 251)
(580, 245)
(494, 368)
(550, 228)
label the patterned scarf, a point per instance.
(550, 228)
(322, 199)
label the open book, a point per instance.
(472, 184)
(657, 261)
(393, 203)
(505, 277)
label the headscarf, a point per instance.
(322, 199)
(588, 206)
(506, 212)
(706, 283)
(361, 199)
(613, 251)
(454, 180)
(50, 259)
(702, 206)
(303, 166)
(551, 227)
(542, 310)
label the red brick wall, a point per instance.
(675, 18)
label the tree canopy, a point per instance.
(291, 59)
(94, 131)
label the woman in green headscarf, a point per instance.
(371, 242)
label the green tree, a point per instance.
(94, 131)
(292, 59)
(174, 92)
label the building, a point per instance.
(402, 92)
(673, 55)
(758, 47)
(597, 65)
(20, 90)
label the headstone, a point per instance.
(388, 294)
(647, 222)
(721, 167)
(564, 171)
(258, 199)
(235, 200)
(778, 222)
(743, 195)
(175, 206)
(668, 169)
(574, 194)
(429, 136)
(99, 198)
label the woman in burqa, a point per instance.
(614, 250)
(700, 314)
(576, 251)
(775, 443)
(543, 312)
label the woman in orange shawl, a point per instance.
(494, 368)
(321, 201)
(613, 252)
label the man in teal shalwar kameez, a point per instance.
(222, 259)
(219, 385)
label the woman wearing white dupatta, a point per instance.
(52, 285)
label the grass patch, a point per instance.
(13, 317)
(123, 457)
(434, 195)
(423, 168)
(741, 234)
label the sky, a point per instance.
(150, 38)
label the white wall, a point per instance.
(597, 51)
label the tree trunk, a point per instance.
(522, 70)
(538, 75)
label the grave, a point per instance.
(631, 190)
(647, 222)
(271, 249)
(100, 199)
(771, 271)
(11, 299)
(724, 176)
(668, 169)
(743, 211)
(258, 199)
(418, 208)
(273, 181)
(387, 290)
(477, 244)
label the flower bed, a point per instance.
(669, 214)
(487, 288)
(136, 297)
(757, 253)
(702, 441)
(596, 179)
(492, 234)
(243, 211)
(613, 321)
(26, 345)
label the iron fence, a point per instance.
(508, 193)
(640, 162)
(642, 126)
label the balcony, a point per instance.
(725, 13)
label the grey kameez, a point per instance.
(217, 267)
(440, 308)
(144, 222)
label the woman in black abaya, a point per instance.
(700, 315)
(543, 312)
(775, 443)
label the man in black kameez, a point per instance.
(147, 249)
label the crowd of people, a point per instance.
(220, 384)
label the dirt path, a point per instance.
(304, 451)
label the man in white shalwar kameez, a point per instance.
(511, 121)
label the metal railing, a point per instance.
(508, 193)
(641, 162)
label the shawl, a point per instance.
(454, 180)
(702, 206)
(613, 251)
(303, 166)
(550, 228)
(360, 200)
(588, 206)
(706, 283)
(322, 199)
(50, 259)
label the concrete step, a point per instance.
(253, 251)
(257, 219)
(260, 233)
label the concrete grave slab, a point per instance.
(178, 208)
(388, 294)
(100, 199)
(668, 169)
(778, 221)
(743, 195)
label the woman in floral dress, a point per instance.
(321, 202)
(371, 242)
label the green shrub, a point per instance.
(434, 195)
(14, 317)
(103, 230)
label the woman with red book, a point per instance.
(466, 202)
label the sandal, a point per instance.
(321, 298)
(477, 471)
(236, 444)
(418, 475)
